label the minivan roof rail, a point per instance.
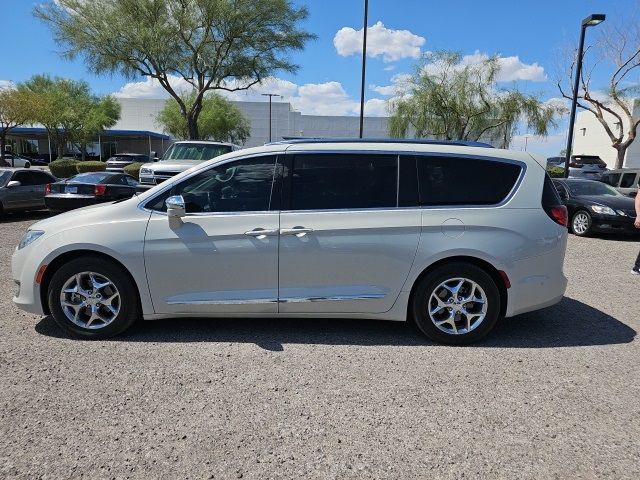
(298, 140)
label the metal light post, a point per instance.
(364, 64)
(270, 95)
(590, 21)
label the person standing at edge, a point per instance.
(636, 268)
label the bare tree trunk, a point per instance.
(620, 157)
(60, 148)
(3, 144)
(192, 127)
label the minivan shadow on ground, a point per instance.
(570, 323)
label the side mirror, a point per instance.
(14, 183)
(176, 207)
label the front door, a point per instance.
(345, 245)
(222, 257)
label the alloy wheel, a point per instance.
(90, 300)
(580, 223)
(457, 306)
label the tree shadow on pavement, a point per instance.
(568, 324)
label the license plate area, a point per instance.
(69, 189)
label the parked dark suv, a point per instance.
(587, 166)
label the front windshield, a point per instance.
(195, 151)
(4, 177)
(592, 188)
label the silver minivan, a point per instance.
(448, 236)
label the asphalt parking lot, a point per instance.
(551, 394)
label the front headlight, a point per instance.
(603, 210)
(29, 237)
(146, 171)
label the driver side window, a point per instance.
(242, 186)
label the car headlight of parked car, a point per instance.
(29, 237)
(603, 210)
(146, 171)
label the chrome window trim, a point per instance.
(287, 151)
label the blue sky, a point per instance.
(527, 33)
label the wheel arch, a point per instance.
(65, 257)
(491, 270)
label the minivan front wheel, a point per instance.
(93, 298)
(457, 303)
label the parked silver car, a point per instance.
(22, 189)
(448, 236)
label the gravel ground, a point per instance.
(552, 394)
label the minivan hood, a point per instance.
(99, 213)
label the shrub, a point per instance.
(555, 172)
(91, 166)
(133, 170)
(64, 167)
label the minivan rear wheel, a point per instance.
(93, 298)
(457, 303)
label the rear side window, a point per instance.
(628, 180)
(337, 181)
(611, 179)
(465, 181)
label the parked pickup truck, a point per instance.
(180, 157)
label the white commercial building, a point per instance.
(590, 138)
(138, 130)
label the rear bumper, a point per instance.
(537, 282)
(66, 202)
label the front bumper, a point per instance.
(614, 224)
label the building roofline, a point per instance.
(104, 133)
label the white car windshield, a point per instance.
(195, 151)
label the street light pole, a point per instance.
(270, 95)
(590, 21)
(364, 64)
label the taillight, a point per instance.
(47, 189)
(100, 190)
(559, 214)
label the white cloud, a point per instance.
(398, 84)
(383, 42)
(5, 84)
(511, 68)
(151, 88)
(376, 107)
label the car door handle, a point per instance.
(261, 233)
(297, 231)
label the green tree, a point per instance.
(448, 99)
(69, 111)
(16, 108)
(219, 119)
(209, 44)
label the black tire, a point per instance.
(129, 304)
(589, 220)
(420, 303)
